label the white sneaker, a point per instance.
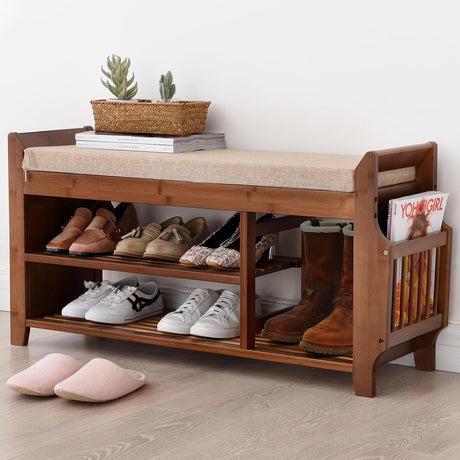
(180, 321)
(127, 304)
(95, 292)
(222, 320)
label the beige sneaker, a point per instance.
(133, 244)
(175, 240)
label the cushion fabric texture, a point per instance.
(314, 171)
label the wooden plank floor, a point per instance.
(204, 406)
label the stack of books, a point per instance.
(150, 143)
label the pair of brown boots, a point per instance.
(85, 234)
(322, 321)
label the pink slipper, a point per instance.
(98, 381)
(41, 378)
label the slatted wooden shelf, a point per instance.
(145, 331)
(159, 268)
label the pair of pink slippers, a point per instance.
(58, 374)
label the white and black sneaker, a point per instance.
(127, 305)
(222, 320)
(95, 292)
(181, 320)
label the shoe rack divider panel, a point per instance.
(42, 283)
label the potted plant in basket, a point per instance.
(142, 116)
(118, 75)
(167, 87)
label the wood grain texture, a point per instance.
(203, 406)
(145, 331)
(150, 267)
(177, 193)
(247, 279)
(42, 195)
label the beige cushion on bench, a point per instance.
(225, 166)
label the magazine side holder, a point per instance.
(376, 336)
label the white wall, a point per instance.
(300, 75)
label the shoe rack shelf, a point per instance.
(159, 268)
(42, 283)
(145, 331)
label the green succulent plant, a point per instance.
(118, 75)
(167, 87)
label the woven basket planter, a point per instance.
(145, 117)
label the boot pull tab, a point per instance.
(344, 299)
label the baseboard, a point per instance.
(4, 290)
(447, 350)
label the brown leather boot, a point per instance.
(321, 269)
(334, 335)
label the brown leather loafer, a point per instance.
(70, 231)
(104, 232)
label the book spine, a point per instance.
(125, 146)
(123, 139)
(390, 219)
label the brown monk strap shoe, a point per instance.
(103, 233)
(70, 231)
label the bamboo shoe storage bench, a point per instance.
(57, 178)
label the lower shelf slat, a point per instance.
(159, 268)
(145, 331)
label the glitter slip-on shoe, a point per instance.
(99, 381)
(222, 237)
(41, 378)
(229, 256)
(133, 244)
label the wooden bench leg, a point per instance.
(19, 331)
(364, 378)
(425, 355)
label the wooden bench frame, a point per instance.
(40, 204)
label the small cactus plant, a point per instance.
(118, 75)
(167, 87)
